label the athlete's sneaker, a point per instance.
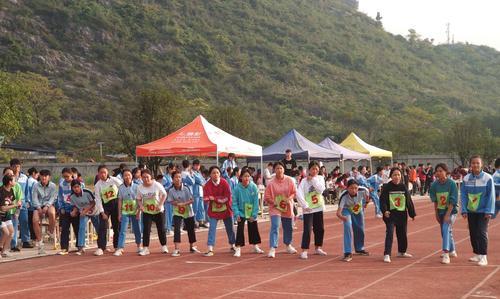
(80, 251)
(118, 252)
(6, 254)
(164, 249)
(303, 255)
(62, 252)
(194, 249)
(232, 248)
(347, 257)
(483, 261)
(320, 251)
(237, 252)
(41, 249)
(475, 259)
(176, 253)
(445, 258)
(139, 249)
(98, 252)
(387, 258)
(272, 253)
(209, 253)
(291, 250)
(256, 249)
(362, 253)
(404, 255)
(453, 253)
(144, 252)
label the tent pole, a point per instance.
(217, 156)
(371, 166)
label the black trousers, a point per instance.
(478, 231)
(400, 221)
(314, 221)
(30, 224)
(147, 220)
(65, 220)
(110, 209)
(189, 224)
(253, 232)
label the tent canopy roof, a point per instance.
(347, 154)
(198, 138)
(355, 143)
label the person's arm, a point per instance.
(319, 184)
(207, 192)
(188, 180)
(34, 197)
(255, 211)
(384, 198)
(340, 208)
(268, 197)
(52, 195)
(162, 194)
(410, 205)
(235, 203)
(490, 198)
(463, 195)
(300, 194)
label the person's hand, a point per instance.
(119, 217)
(73, 213)
(19, 204)
(464, 215)
(211, 198)
(238, 219)
(412, 218)
(307, 210)
(387, 214)
(447, 218)
(45, 209)
(138, 216)
(487, 216)
(104, 216)
(342, 218)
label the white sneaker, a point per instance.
(139, 249)
(62, 252)
(176, 253)
(164, 249)
(303, 255)
(80, 251)
(6, 254)
(41, 249)
(118, 252)
(144, 251)
(98, 252)
(256, 249)
(445, 259)
(483, 261)
(387, 258)
(320, 251)
(237, 253)
(291, 250)
(272, 253)
(475, 259)
(453, 254)
(404, 255)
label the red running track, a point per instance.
(253, 276)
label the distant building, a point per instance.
(32, 154)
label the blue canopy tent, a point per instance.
(302, 149)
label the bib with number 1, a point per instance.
(218, 207)
(442, 200)
(397, 201)
(281, 203)
(109, 193)
(151, 206)
(248, 210)
(182, 211)
(314, 200)
(474, 199)
(129, 207)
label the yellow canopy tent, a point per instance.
(355, 143)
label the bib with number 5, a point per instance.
(129, 207)
(109, 193)
(397, 201)
(442, 200)
(150, 206)
(314, 200)
(474, 199)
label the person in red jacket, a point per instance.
(217, 194)
(422, 176)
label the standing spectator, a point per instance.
(429, 179)
(422, 176)
(44, 196)
(230, 162)
(385, 173)
(268, 173)
(65, 207)
(20, 217)
(32, 180)
(198, 208)
(412, 177)
(169, 211)
(290, 163)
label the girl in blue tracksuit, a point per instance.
(374, 183)
(128, 212)
(246, 208)
(444, 194)
(478, 206)
(350, 211)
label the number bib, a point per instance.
(281, 203)
(442, 200)
(109, 193)
(129, 207)
(314, 200)
(474, 199)
(248, 210)
(356, 209)
(218, 207)
(182, 211)
(397, 201)
(151, 206)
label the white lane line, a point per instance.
(481, 283)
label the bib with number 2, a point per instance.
(442, 200)
(397, 201)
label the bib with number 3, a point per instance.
(397, 201)
(281, 203)
(129, 207)
(442, 200)
(151, 206)
(248, 210)
(314, 199)
(218, 207)
(109, 193)
(182, 211)
(474, 199)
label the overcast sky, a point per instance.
(473, 21)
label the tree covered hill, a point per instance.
(319, 66)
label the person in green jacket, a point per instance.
(246, 208)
